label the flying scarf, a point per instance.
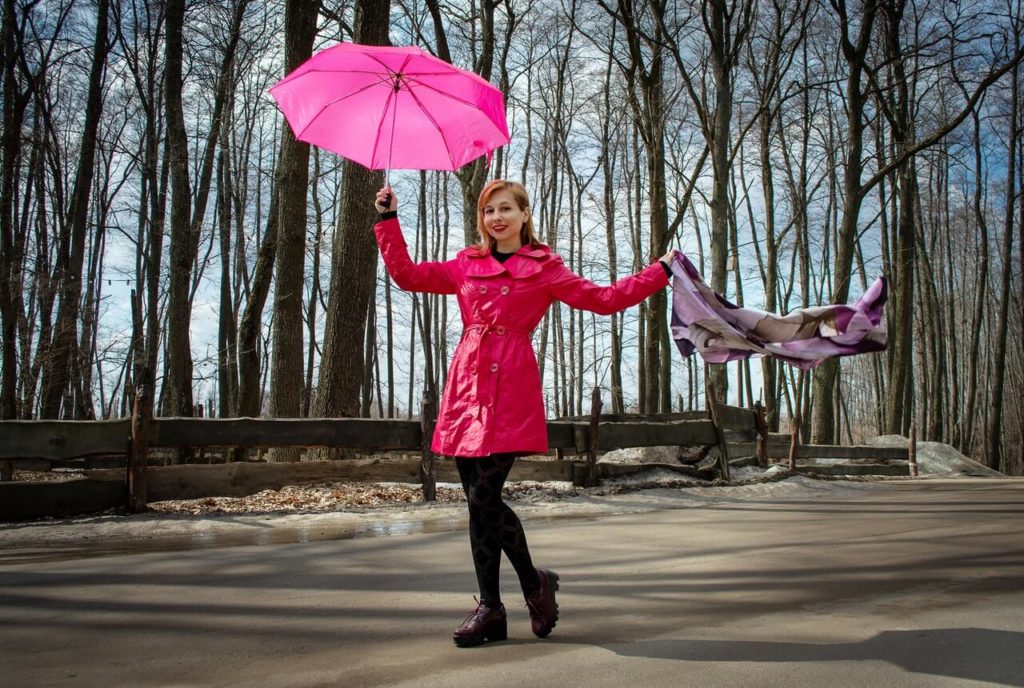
(705, 322)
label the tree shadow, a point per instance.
(978, 654)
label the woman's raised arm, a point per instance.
(432, 277)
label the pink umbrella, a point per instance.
(392, 107)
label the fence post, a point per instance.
(912, 451)
(723, 448)
(142, 415)
(428, 474)
(761, 425)
(595, 421)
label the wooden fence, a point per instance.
(734, 433)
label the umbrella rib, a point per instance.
(380, 127)
(392, 101)
(315, 117)
(391, 73)
(447, 95)
(322, 70)
(454, 71)
(440, 131)
(326, 70)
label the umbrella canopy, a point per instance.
(392, 108)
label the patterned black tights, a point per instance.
(494, 527)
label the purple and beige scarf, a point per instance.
(705, 322)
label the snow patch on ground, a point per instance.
(642, 455)
(936, 458)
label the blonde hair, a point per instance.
(527, 235)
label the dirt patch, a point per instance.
(342, 496)
(48, 476)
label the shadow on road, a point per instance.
(978, 654)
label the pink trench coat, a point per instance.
(492, 401)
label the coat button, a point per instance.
(494, 367)
(483, 290)
(504, 290)
(500, 329)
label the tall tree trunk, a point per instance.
(854, 54)
(473, 176)
(935, 429)
(64, 346)
(769, 367)
(369, 349)
(389, 346)
(315, 290)
(998, 455)
(770, 57)
(900, 411)
(645, 73)
(227, 338)
(720, 143)
(185, 230)
(426, 309)
(250, 379)
(292, 181)
(177, 390)
(608, 159)
(144, 63)
(354, 262)
(900, 403)
(14, 104)
(1020, 253)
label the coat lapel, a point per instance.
(525, 263)
(479, 264)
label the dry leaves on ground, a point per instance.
(344, 497)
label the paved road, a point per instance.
(884, 584)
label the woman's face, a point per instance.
(503, 218)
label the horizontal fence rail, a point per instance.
(55, 440)
(305, 433)
(58, 440)
(731, 430)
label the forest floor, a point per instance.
(934, 459)
(341, 510)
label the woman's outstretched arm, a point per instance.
(578, 292)
(433, 277)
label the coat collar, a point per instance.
(525, 262)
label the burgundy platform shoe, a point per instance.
(483, 624)
(542, 605)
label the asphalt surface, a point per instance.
(878, 584)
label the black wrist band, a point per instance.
(388, 214)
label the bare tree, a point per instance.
(859, 85)
(472, 176)
(20, 83)
(188, 214)
(771, 51)
(71, 251)
(997, 455)
(292, 180)
(354, 260)
(645, 76)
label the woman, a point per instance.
(492, 409)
